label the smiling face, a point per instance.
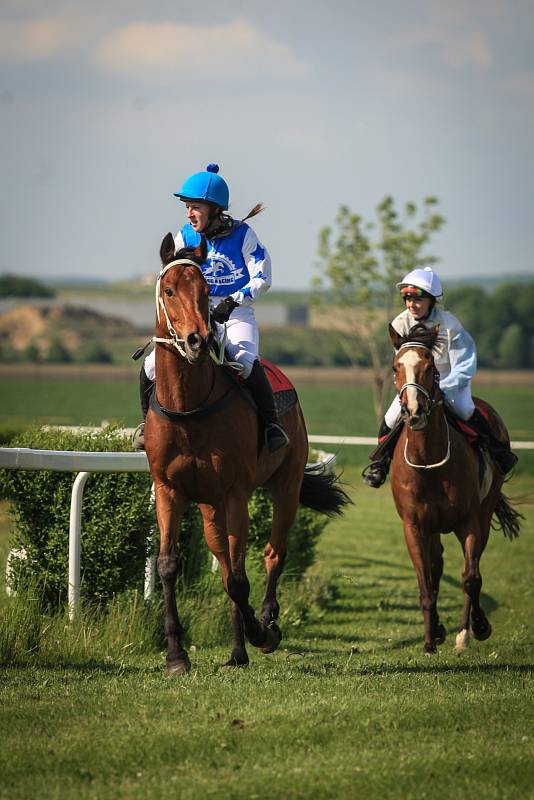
(418, 307)
(198, 214)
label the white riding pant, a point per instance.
(461, 404)
(242, 341)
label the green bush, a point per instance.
(116, 517)
(116, 521)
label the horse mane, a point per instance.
(421, 335)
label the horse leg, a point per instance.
(169, 511)
(419, 550)
(285, 505)
(236, 585)
(436, 567)
(472, 583)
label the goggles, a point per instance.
(413, 293)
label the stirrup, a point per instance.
(138, 437)
(375, 474)
(275, 437)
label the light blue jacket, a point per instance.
(455, 353)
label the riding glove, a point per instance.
(221, 312)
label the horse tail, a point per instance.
(321, 491)
(508, 519)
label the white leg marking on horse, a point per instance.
(409, 361)
(462, 640)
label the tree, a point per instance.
(57, 353)
(359, 266)
(18, 286)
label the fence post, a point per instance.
(75, 525)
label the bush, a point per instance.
(116, 517)
(116, 521)
(57, 353)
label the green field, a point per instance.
(347, 707)
(350, 707)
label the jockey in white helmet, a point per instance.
(238, 271)
(455, 359)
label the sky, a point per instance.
(106, 107)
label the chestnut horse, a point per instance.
(202, 443)
(436, 485)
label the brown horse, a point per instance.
(202, 442)
(437, 489)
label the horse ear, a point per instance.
(201, 252)
(396, 339)
(166, 251)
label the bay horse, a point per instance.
(202, 443)
(436, 487)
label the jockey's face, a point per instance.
(418, 307)
(198, 214)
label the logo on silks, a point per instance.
(221, 270)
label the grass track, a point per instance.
(351, 707)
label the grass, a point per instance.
(350, 706)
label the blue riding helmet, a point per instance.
(206, 186)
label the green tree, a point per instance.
(57, 353)
(513, 347)
(17, 286)
(360, 263)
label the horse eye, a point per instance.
(168, 292)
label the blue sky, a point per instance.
(106, 107)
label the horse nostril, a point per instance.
(194, 340)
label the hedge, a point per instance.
(116, 518)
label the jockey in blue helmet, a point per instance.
(455, 359)
(238, 271)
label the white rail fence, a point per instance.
(84, 463)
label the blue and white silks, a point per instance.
(237, 266)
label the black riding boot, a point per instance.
(503, 456)
(376, 472)
(258, 383)
(145, 390)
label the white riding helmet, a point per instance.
(425, 279)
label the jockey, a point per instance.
(455, 360)
(238, 271)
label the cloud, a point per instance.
(33, 40)
(456, 47)
(155, 50)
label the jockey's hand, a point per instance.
(221, 312)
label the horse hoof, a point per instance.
(482, 631)
(462, 640)
(178, 667)
(272, 639)
(441, 634)
(429, 649)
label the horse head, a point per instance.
(415, 375)
(182, 294)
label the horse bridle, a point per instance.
(175, 340)
(431, 402)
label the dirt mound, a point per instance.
(72, 325)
